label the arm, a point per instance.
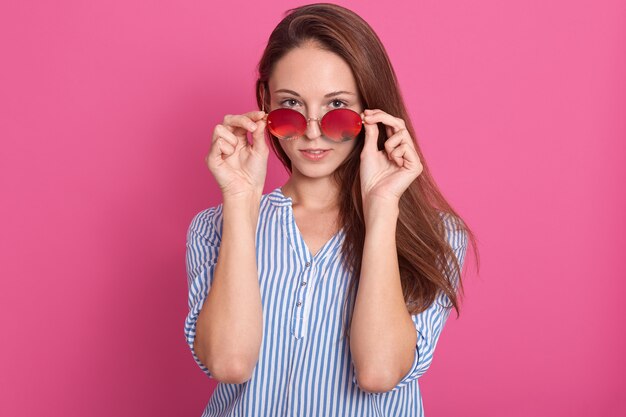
(390, 347)
(230, 324)
(427, 325)
(382, 335)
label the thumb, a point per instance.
(371, 138)
(258, 136)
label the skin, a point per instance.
(229, 328)
(312, 73)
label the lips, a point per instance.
(314, 154)
(313, 150)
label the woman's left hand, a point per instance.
(386, 174)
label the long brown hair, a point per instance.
(423, 251)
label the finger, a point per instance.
(371, 138)
(405, 156)
(396, 139)
(258, 137)
(256, 115)
(397, 155)
(243, 121)
(221, 131)
(226, 148)
(218, 152)
(389, 131)
(401, 137)
(379, 116)
(223, 148)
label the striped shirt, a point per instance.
(305, 368)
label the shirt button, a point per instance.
(308, 264)
(298, 304)
(303, 283)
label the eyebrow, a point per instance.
(333, 94)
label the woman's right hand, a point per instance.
(239, 167)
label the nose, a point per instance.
(313, 129)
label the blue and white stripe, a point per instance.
(305, 367)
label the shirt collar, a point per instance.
(278, 198)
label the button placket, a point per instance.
(306, 275)
(301, 297)
(299, 306)
(304, 281)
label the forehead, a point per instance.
(312, 72)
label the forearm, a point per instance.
(230, 325)
(382, 335)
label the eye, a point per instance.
(290, 102)
(337, 104)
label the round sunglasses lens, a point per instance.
(341, 125)
(286, 123)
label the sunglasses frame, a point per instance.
(317, 119)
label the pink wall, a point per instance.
(105, 118)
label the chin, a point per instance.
(315, 172)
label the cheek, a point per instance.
(353, 152)
(286, 146)
(350, 147)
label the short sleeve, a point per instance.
(203, 241)
(429, 323)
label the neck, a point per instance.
(312, 193)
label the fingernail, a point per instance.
(252, 127)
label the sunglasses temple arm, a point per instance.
(263, 101)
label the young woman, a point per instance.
(325, 297)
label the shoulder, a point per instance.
(454, 230)
(456, 237)
(208, 222)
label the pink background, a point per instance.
(106, 112)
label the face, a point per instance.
(313, 81)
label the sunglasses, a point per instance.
(338, 125)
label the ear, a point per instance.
(263, 95)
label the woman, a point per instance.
(327, 296)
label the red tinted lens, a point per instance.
(286, 123)
(341, 125)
